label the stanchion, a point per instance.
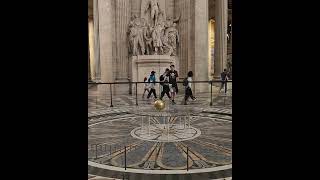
(96, 151)
(111, 95)
(136, 94)
(187, 158)
(110, 149)
(125, 158)
(211, 94)
(225, 87)
(96, 102)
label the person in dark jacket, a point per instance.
(165, 84)
(224, 78)
(173, 82)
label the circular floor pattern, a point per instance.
(204, 145)
(160, 133)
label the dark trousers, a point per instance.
(152, 91)
(166, 91)
(223, 85)
(188, 94)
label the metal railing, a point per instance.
(211, 83)
(124, 149)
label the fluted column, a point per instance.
(221, 18)
(184, 28)
(122, 20)
(91, 48)
(105, 39)
(201, 44)
(96, 66)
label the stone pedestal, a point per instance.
(121, 89)
(141, 66)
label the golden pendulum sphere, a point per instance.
(159, 105)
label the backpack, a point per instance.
(185, 82)
(161, 79)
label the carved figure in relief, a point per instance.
(156, 37)
(154, 8)
(169, 22)
(148, 38)
(133, 38)
(173, 38)
(141, 40)
(167, 48)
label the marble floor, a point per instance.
(196, 145)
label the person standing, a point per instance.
(146, 86)
(151, 81)
(173, 82)
(188, 86)
(165, 84)
(224, 78)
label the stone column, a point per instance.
(184, 28)
(91, 48)
(105, 39)
(122, 18)
(89, 67)
(221, 17)
(97, 71)
(201, 45)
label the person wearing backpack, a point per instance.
(151, 81)
(165, 84)
(224, 78)
(187, 82)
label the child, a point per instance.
(146, 86)
(152, 80)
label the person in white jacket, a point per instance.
(146, 86)
(188, 91)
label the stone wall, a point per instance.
(111, 17)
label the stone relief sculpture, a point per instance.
(159, 37)
(154, 10)
(133, 40)
(167, 49)
(148, 39)
(136, 36)
(157, 40)
(173, 38)
(170, 21)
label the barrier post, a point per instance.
(111, 95)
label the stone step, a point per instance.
(221, 175)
